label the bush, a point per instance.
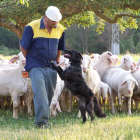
(7, 52)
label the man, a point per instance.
(43, 42)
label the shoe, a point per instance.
(43, 126)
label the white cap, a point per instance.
(53, 13)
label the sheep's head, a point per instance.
(128, 62)
(86, 63)
(107, 56)
(54, 107)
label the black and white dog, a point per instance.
(76, 84)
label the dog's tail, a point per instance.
(97, 108)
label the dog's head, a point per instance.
(73, 56)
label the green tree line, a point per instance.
(85, 40)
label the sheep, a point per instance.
(122, 82)
(105, 60)
(90, 76)
(136, 95)
(12, 83)
(59, 89)
(96, 57)
(104, 91)
(127, 63)
(54, 103)
(66, 94)
(28, 97)
(138, 63)
(116, 59)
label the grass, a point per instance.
(5, 57)
(136, 57)
(68, 127)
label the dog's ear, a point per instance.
(81, 56)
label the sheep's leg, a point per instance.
(82, 108)
(126, 103)
(64, 101)
(120, 100)
(97, 95)
(129, 106)
(2, 102)
(137, 104)
(70, 102)
(112, 101)
(29, 104)
(16, 103)
(104, 104)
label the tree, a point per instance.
(88, 40)
(8, 39)
(14, 16)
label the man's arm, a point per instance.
(58, 55)
(23, 51)
(26, 40)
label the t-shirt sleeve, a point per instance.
(61, 44)
(27, 37)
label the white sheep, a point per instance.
(54, 103)
(105, 92)
(95, 57)
(116, 59)
(28, 97)
(127, 63)
(136, 95)
(12, 83)
(122, 82)
(66, 94)
(138, 63)
(105, 61)
(91, 75)
(54, 106)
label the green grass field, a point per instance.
(68, 127)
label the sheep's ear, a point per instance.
(136, 84)
(125, 60)
(134, 64)
(109, 91)
(123, 83)
(94, 68)
(14, 59)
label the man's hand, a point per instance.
(58, 68)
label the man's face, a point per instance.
(51, 23)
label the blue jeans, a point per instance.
(43, 85)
